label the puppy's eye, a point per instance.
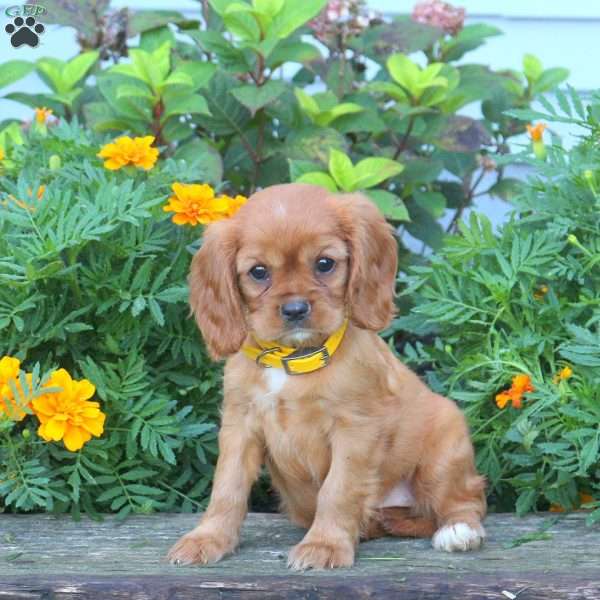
(259, 272)
(325, 265)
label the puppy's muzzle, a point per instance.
(295, 311)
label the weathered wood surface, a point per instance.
(47, 558)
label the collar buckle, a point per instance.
(288, 361)
(265, 353)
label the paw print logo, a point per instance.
(24, 31)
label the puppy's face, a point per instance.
(290, 266)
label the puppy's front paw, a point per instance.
(320, 555)
(198, 548)
(458, 537)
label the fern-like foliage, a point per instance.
(93, 279)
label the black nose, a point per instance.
(295, 311)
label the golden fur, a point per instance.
(336, 441)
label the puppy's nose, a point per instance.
(295, 310)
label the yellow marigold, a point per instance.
(536, 131)
(68, 415)
(42, 114)
(9, 371)
(195, 203)
(563, 374)
(234, 204)
(521, 384)
(540, 292)
(129, 151)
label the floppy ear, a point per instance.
(214, 295)
(373, 262)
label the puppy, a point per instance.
(356, 445)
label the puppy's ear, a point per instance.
(214, 295)
(373, 262)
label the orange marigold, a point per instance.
(42, 114)
(195, 204)
(68, 414)
(125, 151)
(521, 384)
(536, 131)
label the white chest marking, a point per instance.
(401, 495)
(274, 379)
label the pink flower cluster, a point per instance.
(439, 14)
(342, 18)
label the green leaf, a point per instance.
(372, 171)
(268, 7)
(345, 108)
(200, 73)
(180, 104)
(506, 189)
(307, 103)
(318, 178)
(204, 160)
(254, 98)
(389, 204)
(404, 72)
(342, 171)
(433, 202)
(292, 51)
(143, 20)
(300, 167)
(532, 68)
(77, 67)
(13, 70)
(293, 15)
(549, 79)
(469, 38)
(240, 22)
(51, 71)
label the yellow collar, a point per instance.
(295, 361)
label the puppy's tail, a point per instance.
(402, 522)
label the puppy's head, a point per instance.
(290, 266)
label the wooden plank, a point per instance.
(42, 557)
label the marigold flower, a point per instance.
(195, 204)
(42, 114)
(540, 292)
(68, 415)
(563, 374)
(521, 384)
(9, 371)
(583, 499)
(129, 151)
(536, 131)
(234, 204)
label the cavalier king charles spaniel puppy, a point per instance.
(292, 290)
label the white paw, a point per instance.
(458, 537)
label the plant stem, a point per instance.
(404, 140)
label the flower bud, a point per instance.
(54, 162)
(539, 149)
(26, 434)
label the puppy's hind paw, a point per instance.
(458, 537)
(195, 548)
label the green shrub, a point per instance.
(232, 88)
(491, 307)
(93, 280)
